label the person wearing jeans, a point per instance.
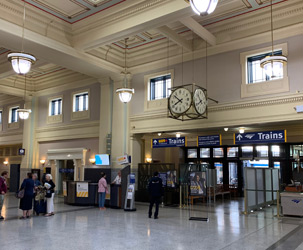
(102, 190)
(3, 190)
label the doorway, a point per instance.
(66, 173)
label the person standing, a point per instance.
(26, 203)
(155, 189)
(102, 190)
(3, 190)
(50, 193)
(117, 180)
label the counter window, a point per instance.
(192, 153)
(219, 168)
(204, 152)
(262, 151)
(232, 152)
(218, 152)
(247, 151)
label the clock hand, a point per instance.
(180, 100)
(177, 98)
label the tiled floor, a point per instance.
(88, 228)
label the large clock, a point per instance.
(180, 101)
(200, 101)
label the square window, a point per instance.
(159, 87)
(204, 152)
(13, 114)
(192, 153)
(218, 152)
(255, 73)
(80, 102)
(55, 107)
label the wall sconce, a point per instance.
(92, 160)
(178, 135)
(225, 129)
(5, 163)
(42, 162)
(149, 160)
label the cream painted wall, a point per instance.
(91, 144)
(94, 104)
(224, 74)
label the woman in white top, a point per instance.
(117, 180)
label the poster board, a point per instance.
(197, 184)
(171, 178)
(64, 187)
(82, 189)
(163, 176)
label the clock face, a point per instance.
(180, 101)
(200, 101)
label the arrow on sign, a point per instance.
(155, 141)
(239, 137)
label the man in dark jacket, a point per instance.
(155, 189)
(3, 190)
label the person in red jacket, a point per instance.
(3, 190)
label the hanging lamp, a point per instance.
(273, 64)
(203, 7)
(125, 93)
(21, 62)
(24, 113)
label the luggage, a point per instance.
(40, 207)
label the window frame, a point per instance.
(50, 101)
(160, 104)
(75, 98)
(10, 114)
(80, 115)
(164, 92)
(269, 87)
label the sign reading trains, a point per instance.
(168, 142)
(260, 137)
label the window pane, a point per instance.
(232, 152)
(192, 153)
(81, 102)
(218, 152)
(262, 151)
(204, 152)
(159, 87)
(233, 174)
(247, 151)
(296, 150)
(219, 168)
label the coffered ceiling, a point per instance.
(78, 38)
(73, 11)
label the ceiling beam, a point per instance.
(175, 37)
(164, 11)
(52, 51)
(199, 30)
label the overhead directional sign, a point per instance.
(260, 137)
(209, 140)
(168, 142)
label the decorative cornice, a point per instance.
(227, 106)
(67, 127)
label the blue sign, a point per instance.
(163, 176)
(132, 178)
(209, 140)
(66, 170)
(260, 137)
(168, 142)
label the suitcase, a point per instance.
(40, 207)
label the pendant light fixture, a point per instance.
(125, 93)
(24, 113)
(203, 7)
(273, 64)
(21, 62)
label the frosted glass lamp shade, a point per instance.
(24, 113)
(203, 7)
(21, 62)
(125, 94)
(273, 65)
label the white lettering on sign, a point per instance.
(176, 141)
(271, 135)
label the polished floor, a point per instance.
(88, 228)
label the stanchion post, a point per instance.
(245, 203)
(278, 204)
(180, 206)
